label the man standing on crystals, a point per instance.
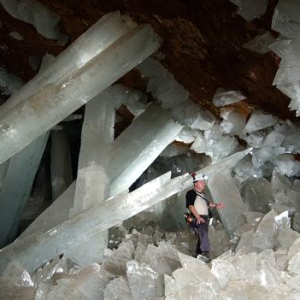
(199, 207)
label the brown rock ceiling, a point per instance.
(202, 43)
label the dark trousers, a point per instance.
(203, 244)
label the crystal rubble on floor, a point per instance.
(223, 189)
(61, 168)
(250, 9)
(223, 97)
(33, 12)
(260, 43)
(59, 99)
(21, 174)
(9, 83)
(249, 272)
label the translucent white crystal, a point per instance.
(260, 43)
(251, 9)
(286, 19)
(294, 249)
(92, 185)
(185, 277)
(245, 170)
(274, 139)
(56, 266)
(33, 12)
(215, 146)
(265, 235)
(64, 96)
(162, 84)
(62, 238)
(280, 47)
(89, 283)
(159, 262)
(263, 155)
(143, 281)
(148, 139)
(17, 274)
(170, 286)
(223, 97)
(287, 165)
(287, 237)
(118, 289)
(233, 123)
(255, 139)
(223, 189)
(189, 262)
(192, 115)
(186, 135)
(289, 66)
(257, 194)
(223, 270)
(244, 291)
(294, 264)
(245, 266)
(259, 120)
(204, 121)
(269, 276)
(196, 291)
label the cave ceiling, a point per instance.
(202, 46)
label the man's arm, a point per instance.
(196, 215)
(220, 205)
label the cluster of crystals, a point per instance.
(287, 22)
(265, 263)
(274, 141)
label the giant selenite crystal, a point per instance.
(74, 85)
(36, 249)
(17, 187)
(97, 135)
(223, 189)
(145, 137)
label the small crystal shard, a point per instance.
(223, 97)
